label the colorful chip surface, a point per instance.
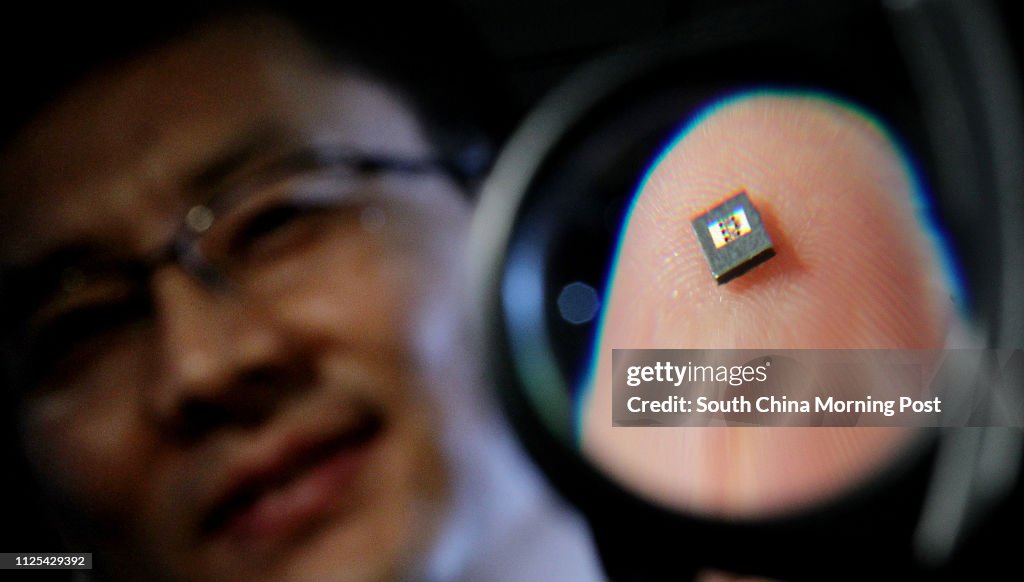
(725, 230)
(733, 238)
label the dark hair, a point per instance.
(426, 51)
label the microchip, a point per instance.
(733, 238)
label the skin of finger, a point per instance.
(854, 270)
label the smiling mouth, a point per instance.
(286, 495)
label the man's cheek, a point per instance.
(343, 311)
(90, 460)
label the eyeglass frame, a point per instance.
(184, 248)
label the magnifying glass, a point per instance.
(874, 145)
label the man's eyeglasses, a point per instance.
(299, 215)
(291, 205)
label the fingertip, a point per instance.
(854, 268)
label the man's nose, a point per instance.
(225, 360)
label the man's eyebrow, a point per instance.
(252, 145)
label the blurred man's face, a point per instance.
(281, 423)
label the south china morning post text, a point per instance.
(786, 387)
(739, 375)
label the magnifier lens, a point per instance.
(857, 266)
(861, 155)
